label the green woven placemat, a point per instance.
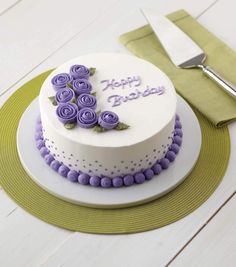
(198, 186)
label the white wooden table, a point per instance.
(38, 35)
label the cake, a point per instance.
(108, 120)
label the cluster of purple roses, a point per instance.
(75, 102)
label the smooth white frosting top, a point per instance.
(146, 116)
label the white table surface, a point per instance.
(38, 35)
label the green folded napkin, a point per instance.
(192, 84)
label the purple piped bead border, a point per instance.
(107, 182)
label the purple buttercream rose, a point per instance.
(87, 101)
(82, 86)
(64, 95)
(79, 72)
(87, 118)
(67, 112)
(108, 120)
(61, 80)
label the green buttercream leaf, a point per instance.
(92, 71)
(99, 129)
(93, 93)
(98, 112)
(121, 126)
(53, 100)
(69, 85)
(69, 125)
(73, 100)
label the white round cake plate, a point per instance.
(90, 196)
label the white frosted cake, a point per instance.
(116, 135)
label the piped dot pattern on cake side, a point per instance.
(105, 181)
(140, 94)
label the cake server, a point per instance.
(181, 49)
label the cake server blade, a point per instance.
(181, 49)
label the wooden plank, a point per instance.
(7, 206)
(28, 41)
(215, 245)
(220, 19)
(35, 29)
(26, 241)
(7, 5)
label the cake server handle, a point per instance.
(227, 86)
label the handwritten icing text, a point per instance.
(117, 100)
(123, 83)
